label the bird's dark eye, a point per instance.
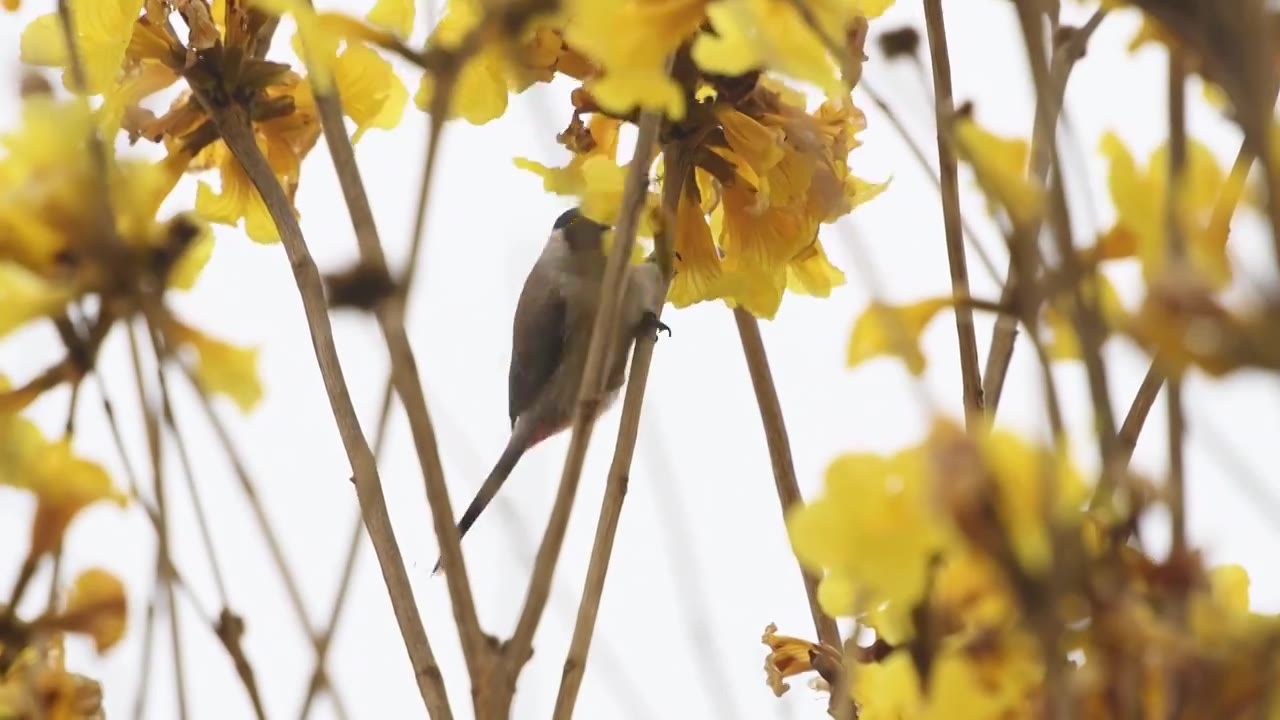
(565, 218)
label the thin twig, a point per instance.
(233, 125)
(188, 471)
(1047, 113)
(228, 623)
(1084, 311)
(148, 645)
(248, 486)
(163, 560)
(605, 327)
(1143, 401)
(435, 130)
(1177, 258)
(917, 153)
(319, 677)
(404, 368)
(944, 106)
(784, 471)
(615, 491)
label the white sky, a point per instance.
(702, 562)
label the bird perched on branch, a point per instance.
(551, 336)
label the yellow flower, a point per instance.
(1182, 324)
(498, 68)
(285, 141)
(593, 175)
(790, 656)
(50, 238)
(372, 94)
(994, 679)
(39, 685)
(790, 175)
(63, 483)
(752, 34)
(887, 690)
(96, 606)
(25, 296)
(1000, 167)
(630, 41)
(1019, 472)
(102, 29)
(699, 272)
(871, 529)
(221, 367)
(1206, 201)
(394, 15)
(893, 330)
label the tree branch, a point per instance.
(784, 471)
(404, 369)
(233, 125)
(944, 107)
(605, 327)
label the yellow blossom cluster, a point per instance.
(996, 583)
(132, 52)
(1182, 301)
(751, 172)
(985, 582)
(33, 678)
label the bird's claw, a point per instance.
(649, 322)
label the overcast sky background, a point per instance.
(702, 562)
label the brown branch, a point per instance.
(248, 486)
(605, 327)
(435, 129)
(227, 619)
(1047, 112)
(1084, 312)
(404, 369)
(233, 125)
(188, 472)
(944, 106)
(1177, 250)
(784, 471)
(615, 491)
(148, 651)
(164, 565)
(1143, 401)
(319, 677)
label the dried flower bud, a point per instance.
(360, 286)
(904, 41)
(34, 84)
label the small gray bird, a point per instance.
(551, 336)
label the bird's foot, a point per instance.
(649, 323)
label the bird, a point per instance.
(551, 335)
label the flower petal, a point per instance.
(221, 367)
(183, 274)
(394, 15)
(893, 330)
(96, 606)
(372, 94)
(25, 296)
(1000, 166)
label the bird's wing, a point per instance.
(537, 343)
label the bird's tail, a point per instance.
(516, 447)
